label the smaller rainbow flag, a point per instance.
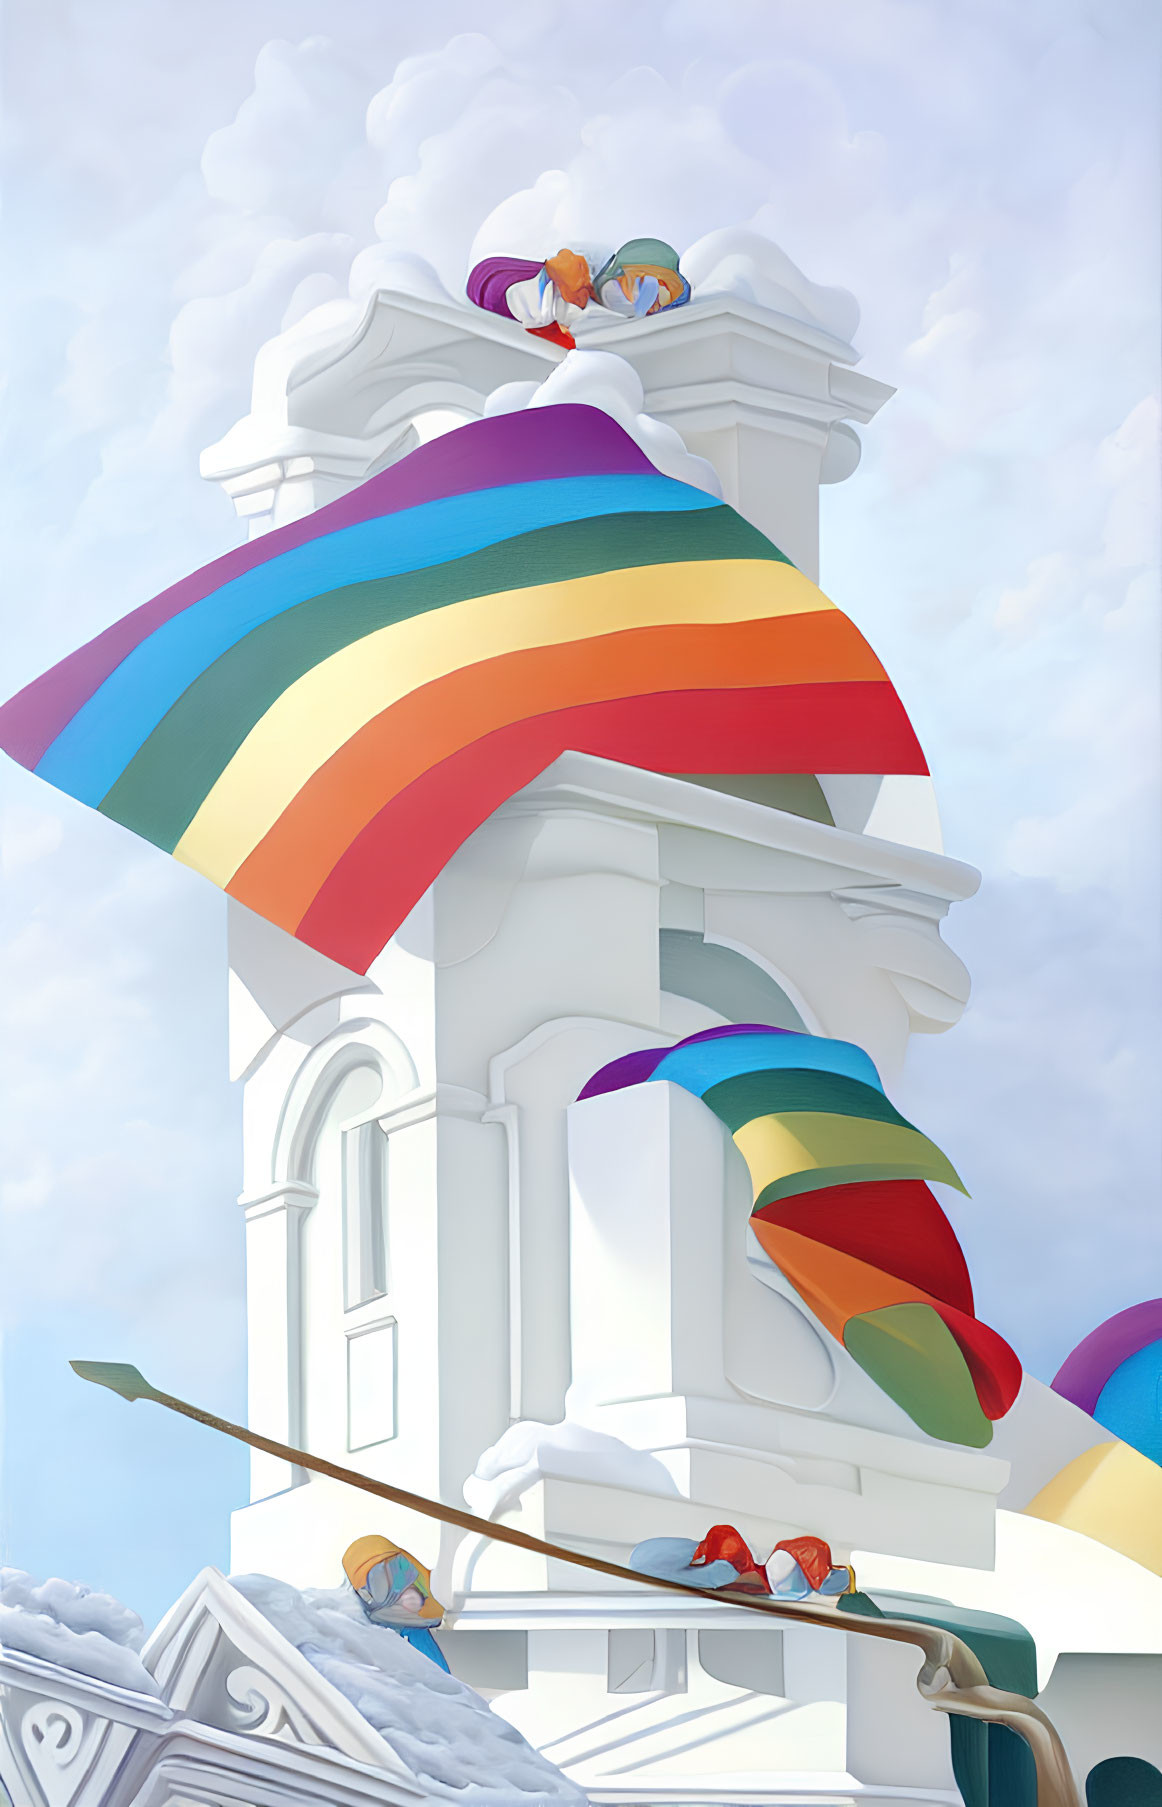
(841, 1208)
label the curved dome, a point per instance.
(317, 720)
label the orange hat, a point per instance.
(361, 1557)
(569, 272)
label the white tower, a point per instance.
(442, 1245)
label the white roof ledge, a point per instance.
(583, 781)
(89, 1693)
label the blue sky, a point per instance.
(182, 183)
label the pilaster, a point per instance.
(274, 1291)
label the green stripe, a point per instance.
(163, 786)
(910, 1353)
(770, 1092)
(817, 1179)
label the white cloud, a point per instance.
(1049, 581)
(27, 1190)
(734, 261)
(457, 131)
(118, 1140)
(1045, 1098)
(27, 835)
(296, 151)
(1129, 463)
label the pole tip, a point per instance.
(119, 1377)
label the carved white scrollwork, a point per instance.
(54, 1739)
(259, 1705)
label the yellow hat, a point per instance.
(361, 1557)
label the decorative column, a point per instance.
(274, 1221)
(764, 397)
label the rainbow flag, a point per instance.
(841, 1208)
(317, 720)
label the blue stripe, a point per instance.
(91, 752)
(703, 1064)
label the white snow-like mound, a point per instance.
(65, 1622)
(400, 272)
(599, 379)
(445, 1734)
(572, 1452)
(737, 261)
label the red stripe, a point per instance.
(995, 1369)
(281, 875)
(896, 1225)
(788, 728)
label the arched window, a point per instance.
(332, 1153)
(365, 1213)
(362, 1044)
(348, 1337)
(723, 980)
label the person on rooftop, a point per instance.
(639, 279)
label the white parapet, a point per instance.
(761, 395)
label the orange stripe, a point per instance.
(838, 1287)
(281, 876)
(835, 1286)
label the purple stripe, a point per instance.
(568, 440)
(1083, 1374)
(631, 1069)
(635, 1069)
(490, 281)
(709, 1035)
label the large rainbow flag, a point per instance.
(841, 1208)
(317, 720)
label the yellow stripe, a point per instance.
(1111, 1493)
(318, 713)
(800, 1141)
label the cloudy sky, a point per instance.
(182, 183)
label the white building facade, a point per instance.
(442, 1245)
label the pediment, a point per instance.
(219, 1662)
